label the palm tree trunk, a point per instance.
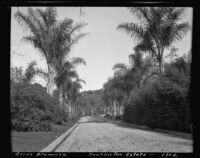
(121, 110)
(160, 54)
(72, 111)
(83, 112)
(92, 111)
(75, 110)
(61, 97)
(50, 80)
(160, 68)
(69, 110)
(118, 110)
(114, 108)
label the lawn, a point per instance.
(36, 141)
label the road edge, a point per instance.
(57, 142)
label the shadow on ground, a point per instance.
(120, 123)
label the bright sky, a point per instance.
(101, 49)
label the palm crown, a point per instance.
(159, 29)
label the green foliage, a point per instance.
(160, 104)
(33, 109)
(90, 98)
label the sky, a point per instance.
(101, 49)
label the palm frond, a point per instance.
(67, 66)
(146, 45)
(142, 14)
(36, 43)
(80, 80)
(30, 71)
(25, 21)
(65, 25)
(120, 66)
(36, 19)
(32, 64)
(76, 39)
(77, 27)
(133, 30)
(180, 30)
(175, 14)
(77, 60)
(50, 16)
(42, 74)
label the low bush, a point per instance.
(33, 109)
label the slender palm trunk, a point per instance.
(160, 68)
(160, 55)
(74, 110)
(114, 109)
(61, 97)
(83, 112)
(50, 80)
(121, 110)
(92, 111)
(118, 109)
(104, 110)
(69, 110)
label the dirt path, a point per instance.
(97, 134)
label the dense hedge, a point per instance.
(160, 104)
(33, 109)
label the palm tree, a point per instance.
(135, 71)
(40, 24)
(66, 72)
(73, 94)
(51, 37)
(158, 30)
(113, 94)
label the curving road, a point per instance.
(97, 134)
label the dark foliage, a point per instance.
(160, 104)
(33, 109)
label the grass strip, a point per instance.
(36, 141)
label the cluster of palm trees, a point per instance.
(54, 40)
(158, 30)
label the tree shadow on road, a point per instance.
(158, 131)
(120, 123)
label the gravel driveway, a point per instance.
(97, 134)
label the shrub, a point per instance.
(159, 104)
(33, 109)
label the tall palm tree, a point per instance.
(158, 29)
(51, 37)
(40, 25)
